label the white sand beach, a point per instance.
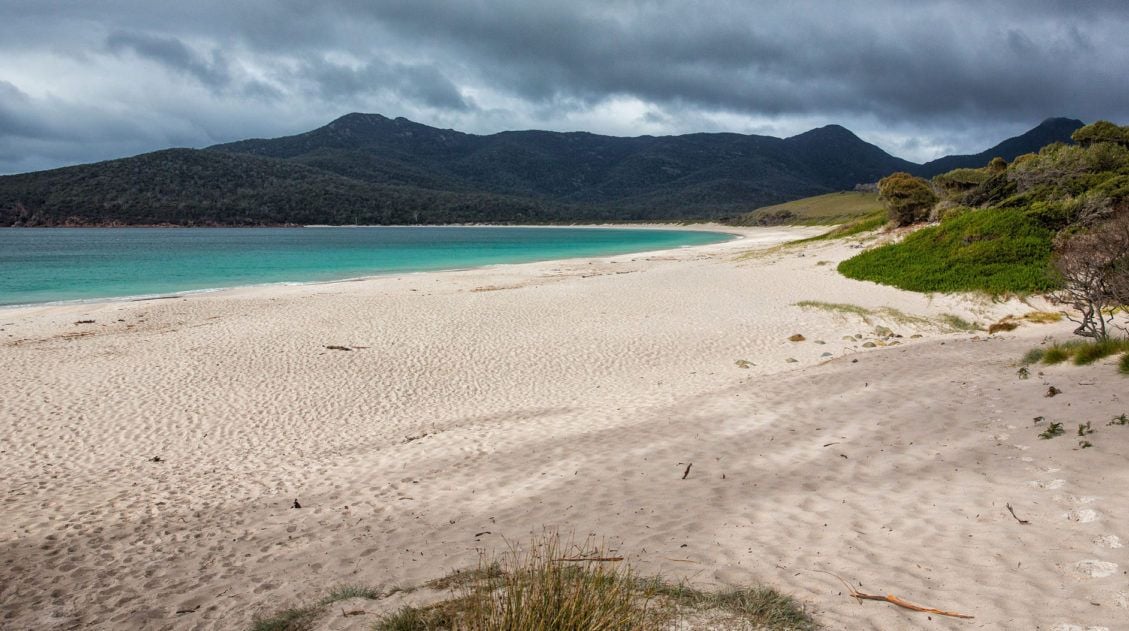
(473, 407)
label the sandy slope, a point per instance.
(569, 395)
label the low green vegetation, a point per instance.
(555, 586)
(1053, 430)
(303, 618)
(865, 223)
(1032, 226)
(1033, 356)
(1080, 352)
(296, 619)
(958, 323)
(832, 208)
(1001, 251)
(908, 199)
(946, 322)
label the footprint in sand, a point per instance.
(1095, 569)
(1049, 485)
(1109, 541)
(1082, 515)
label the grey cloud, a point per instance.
(173, 53)
(422, 83)
(913, 63)
(957, 74)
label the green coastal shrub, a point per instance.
(961, 180)
(994, 251)
(907, 198)
(1101, 132)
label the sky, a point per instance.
(88, 80)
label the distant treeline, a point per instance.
(368, 169)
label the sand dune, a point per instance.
(566, 394)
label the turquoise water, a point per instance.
(40, 265)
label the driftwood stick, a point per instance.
(593, 559)
(894, 600)
(1022, 521)
(687, 471)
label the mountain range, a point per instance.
(369, 169)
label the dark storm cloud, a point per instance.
(918, 78)
(424, 83)
(211, 70)
(1006, 60)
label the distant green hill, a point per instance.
(830, 208)
(1049, 131)
(367, 168)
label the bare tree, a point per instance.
(1118, 235)
(1095, 269)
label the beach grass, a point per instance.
(558, 586)
(859, 225)
(1081, 352)
(1033, 356)
(1043, 317)
(303, 618)
(946, 322)
(293, 619)
(958, 323)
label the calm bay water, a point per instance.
(59, 264)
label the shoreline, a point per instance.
(422, 418)
(711, 228)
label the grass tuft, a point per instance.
(1058, 353)
(295, 619)
(1043, 317)
(1055, 429)
(1082, 352)
(1090, 352)
(867, 223)
(1002, 326)
(758, 607)
(408, 618)
(557, 587)
(303, 618)
(837, 307)
(958, 323)
(946, 322)
(1033, 356)
(1123, 364)
(345, 592)
(462, 578)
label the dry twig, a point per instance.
(894, 600)
(1022, 521)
